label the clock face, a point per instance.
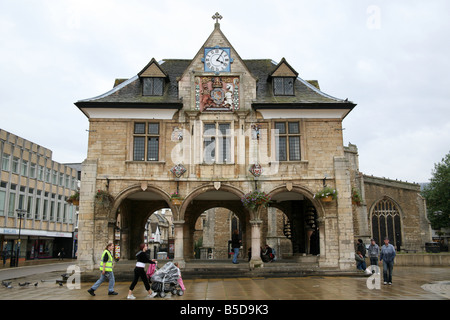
(217, 59)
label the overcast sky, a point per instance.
(392, 58)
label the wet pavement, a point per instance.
(39, 282)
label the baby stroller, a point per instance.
(165, 279)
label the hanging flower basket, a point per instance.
(74, 199)
(103, 198)
(327, 194)
(176, 198)
(356, 198)
(254, 199)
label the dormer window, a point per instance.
(283, 86)
(152, 86)
(283, 79)
(153, 79)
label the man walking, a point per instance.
(374, 252)
(106, 267)
(387, 255)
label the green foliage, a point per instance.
(437, 195)
(103, 198)
(254, 199)
(325, 192)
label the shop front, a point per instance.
(35, 244)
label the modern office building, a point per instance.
(33, 201)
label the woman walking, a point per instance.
(139, 271)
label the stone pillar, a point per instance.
(345, 231)
(255, 261)
(272, 239)
(87, 248)
(179, 254)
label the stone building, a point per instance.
(211, 129)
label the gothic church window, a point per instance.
(386, 222)
(146, 141)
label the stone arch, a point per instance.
(125, 193)
(194, 205)
(203, 189)
(303, 191)
(134, 214)
(298, 212)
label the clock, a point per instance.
(217, 59)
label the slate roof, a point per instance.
(130, 91)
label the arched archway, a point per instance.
(304, 215)
(133, 206)
(208, 197)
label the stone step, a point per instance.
(213, 269)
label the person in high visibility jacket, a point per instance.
(106, 267)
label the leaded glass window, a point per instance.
(146, 141)
(217, 136)
(386, 222)
(288, 141)
(153, 86)
(283, 86)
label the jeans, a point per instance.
(236, 252)
(373, 261)
(387, 271)
(361, 265)
(103, 278)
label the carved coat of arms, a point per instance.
(217, 93)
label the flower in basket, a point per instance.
(326, 192)
(175, 195)
(75, 198)
(356, 198)
(103, 198)
(254, 199)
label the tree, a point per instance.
(437, 195)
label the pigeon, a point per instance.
(25, 284)
(7, 284)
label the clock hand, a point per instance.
(219, 57)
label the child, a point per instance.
(180, 281)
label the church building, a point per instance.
(220, 131)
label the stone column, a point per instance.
(272, 238)
(87, 248)
(344, 216)
(179, 255)
(255, 261)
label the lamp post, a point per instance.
(20, 214)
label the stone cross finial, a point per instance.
(217, 17)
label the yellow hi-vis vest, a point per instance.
(109, 263)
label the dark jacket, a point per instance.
(143, 257)
(235, 241)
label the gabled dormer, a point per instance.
(153, 79)
(283, 79)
